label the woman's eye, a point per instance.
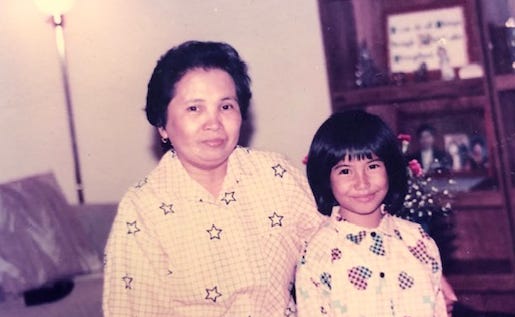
(227, 107)
(193, 108)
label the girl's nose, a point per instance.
(362, 182)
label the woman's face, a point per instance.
(359, 186)
(203, 118)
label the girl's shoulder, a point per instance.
(409, 231)
(324, 238)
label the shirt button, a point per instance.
(373, 234)
(381, 275)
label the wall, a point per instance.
(112, 48)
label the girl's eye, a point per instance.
(344, 171)
(374, 166)
(193, 108)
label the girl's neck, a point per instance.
(370, 221)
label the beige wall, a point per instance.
(112, 48)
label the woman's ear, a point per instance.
(163, 133)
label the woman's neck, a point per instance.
(210, 178)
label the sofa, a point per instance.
(33, 210)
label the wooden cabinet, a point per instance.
(482, 268)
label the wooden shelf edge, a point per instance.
(483, 283)
(505, 82)
(409, 92)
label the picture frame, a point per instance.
(427, 36)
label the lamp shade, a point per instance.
(54, 7)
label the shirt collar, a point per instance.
(386, 225)
(177, 182)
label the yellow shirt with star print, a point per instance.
(349, 271)
(175, 250)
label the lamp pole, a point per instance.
(58, 22)
(56, 9)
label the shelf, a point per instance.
(409, 92)
(505, 82)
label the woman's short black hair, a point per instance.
(357, 135)
(172, 66)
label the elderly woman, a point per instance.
(215, 229)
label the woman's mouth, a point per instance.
(214, 142)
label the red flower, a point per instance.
(404, 137)
(415, 168)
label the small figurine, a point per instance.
(421, 72)
(445, 65)
(367, 74)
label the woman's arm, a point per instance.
(132, 279)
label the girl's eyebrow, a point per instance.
(375, 160)
(337, 166)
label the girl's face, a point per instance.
(360, 187)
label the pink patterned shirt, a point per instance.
(392, 270)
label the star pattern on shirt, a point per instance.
(213, 294)
(128, 281)
(214, 232)
(167, 208)
(279, 170)
(132, 228)
(141, 183)
(277, 220)
(228, 198)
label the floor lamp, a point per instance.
(56, 10)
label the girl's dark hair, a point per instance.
(358, 135)
(172, 66)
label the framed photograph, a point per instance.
(428, 36)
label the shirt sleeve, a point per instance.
(134, 270)
(313, 284)
(308, 219)
(440, 306)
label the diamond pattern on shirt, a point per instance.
(336, 254)
(378, 246)
(405, 280)
(356, 238)
(358, 276)
(325, 279)
(420, 252)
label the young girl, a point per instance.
(365, 261)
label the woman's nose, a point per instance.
(212, 120)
